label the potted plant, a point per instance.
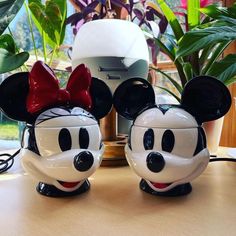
(214, 36)
(197, 49)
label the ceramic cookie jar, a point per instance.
(61, 144)
(167, 144)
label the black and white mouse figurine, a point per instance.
(62, 144)
(167, 145)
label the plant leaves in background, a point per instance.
(170, 92)
(224, 69)
(8, 10)
(172, 19)
(34, 5)
(166, 48)
(193, 13)
(7, 42)
(203, 38)
(50, 18)
(188, 70)
(216, 12)
(9, 58)
(215, 53)
(174, 83)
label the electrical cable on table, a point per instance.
(6, 164)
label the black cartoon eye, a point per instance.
(64, 139)
(168, 141)
(83, 138)
(129, 138)
(148, 139)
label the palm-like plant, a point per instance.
(198, 50)
(209, 41)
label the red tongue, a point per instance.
(68, 184)
(160, 185)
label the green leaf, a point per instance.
(193, 13)
(195, 40)
(8, 10)
(165, 49)
(224, 20)
(230, 81)
(175, 83)
(215, 54)
(9, 62)
(188, 70)
(172, 19)
(9, 59)
(224, 69)
(206, 52)
(7, 42)
(50, 19)
(40, 29)
(217, 12)
(170, 92)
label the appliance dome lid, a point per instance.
(110, 37)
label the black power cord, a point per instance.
(222, 159)
(6, 164)
(214, 158)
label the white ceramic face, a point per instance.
(166, 157)
(69, 150)
(52, 141)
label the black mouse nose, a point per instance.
(155, 162)
(83, 161)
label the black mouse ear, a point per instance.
(101, 97)
(13, 96)
(132, 96)
(206, 98)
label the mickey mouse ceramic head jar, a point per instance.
(61, 144)
(167, 145)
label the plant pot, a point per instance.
(213, 131)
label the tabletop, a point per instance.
(115, 205)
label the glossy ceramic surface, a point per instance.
(166, 158)
(62, 143)
(167, 145)
(68, 151)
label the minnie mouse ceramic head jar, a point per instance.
(167, 145)
(61, 144)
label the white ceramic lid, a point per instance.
(60, 117)
(175, 118)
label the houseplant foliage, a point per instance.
(197, 50)
(10, 57)
(214, 36)
(49, 18)
(201, 21)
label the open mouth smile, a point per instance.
(68, 184)
(160, 185)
